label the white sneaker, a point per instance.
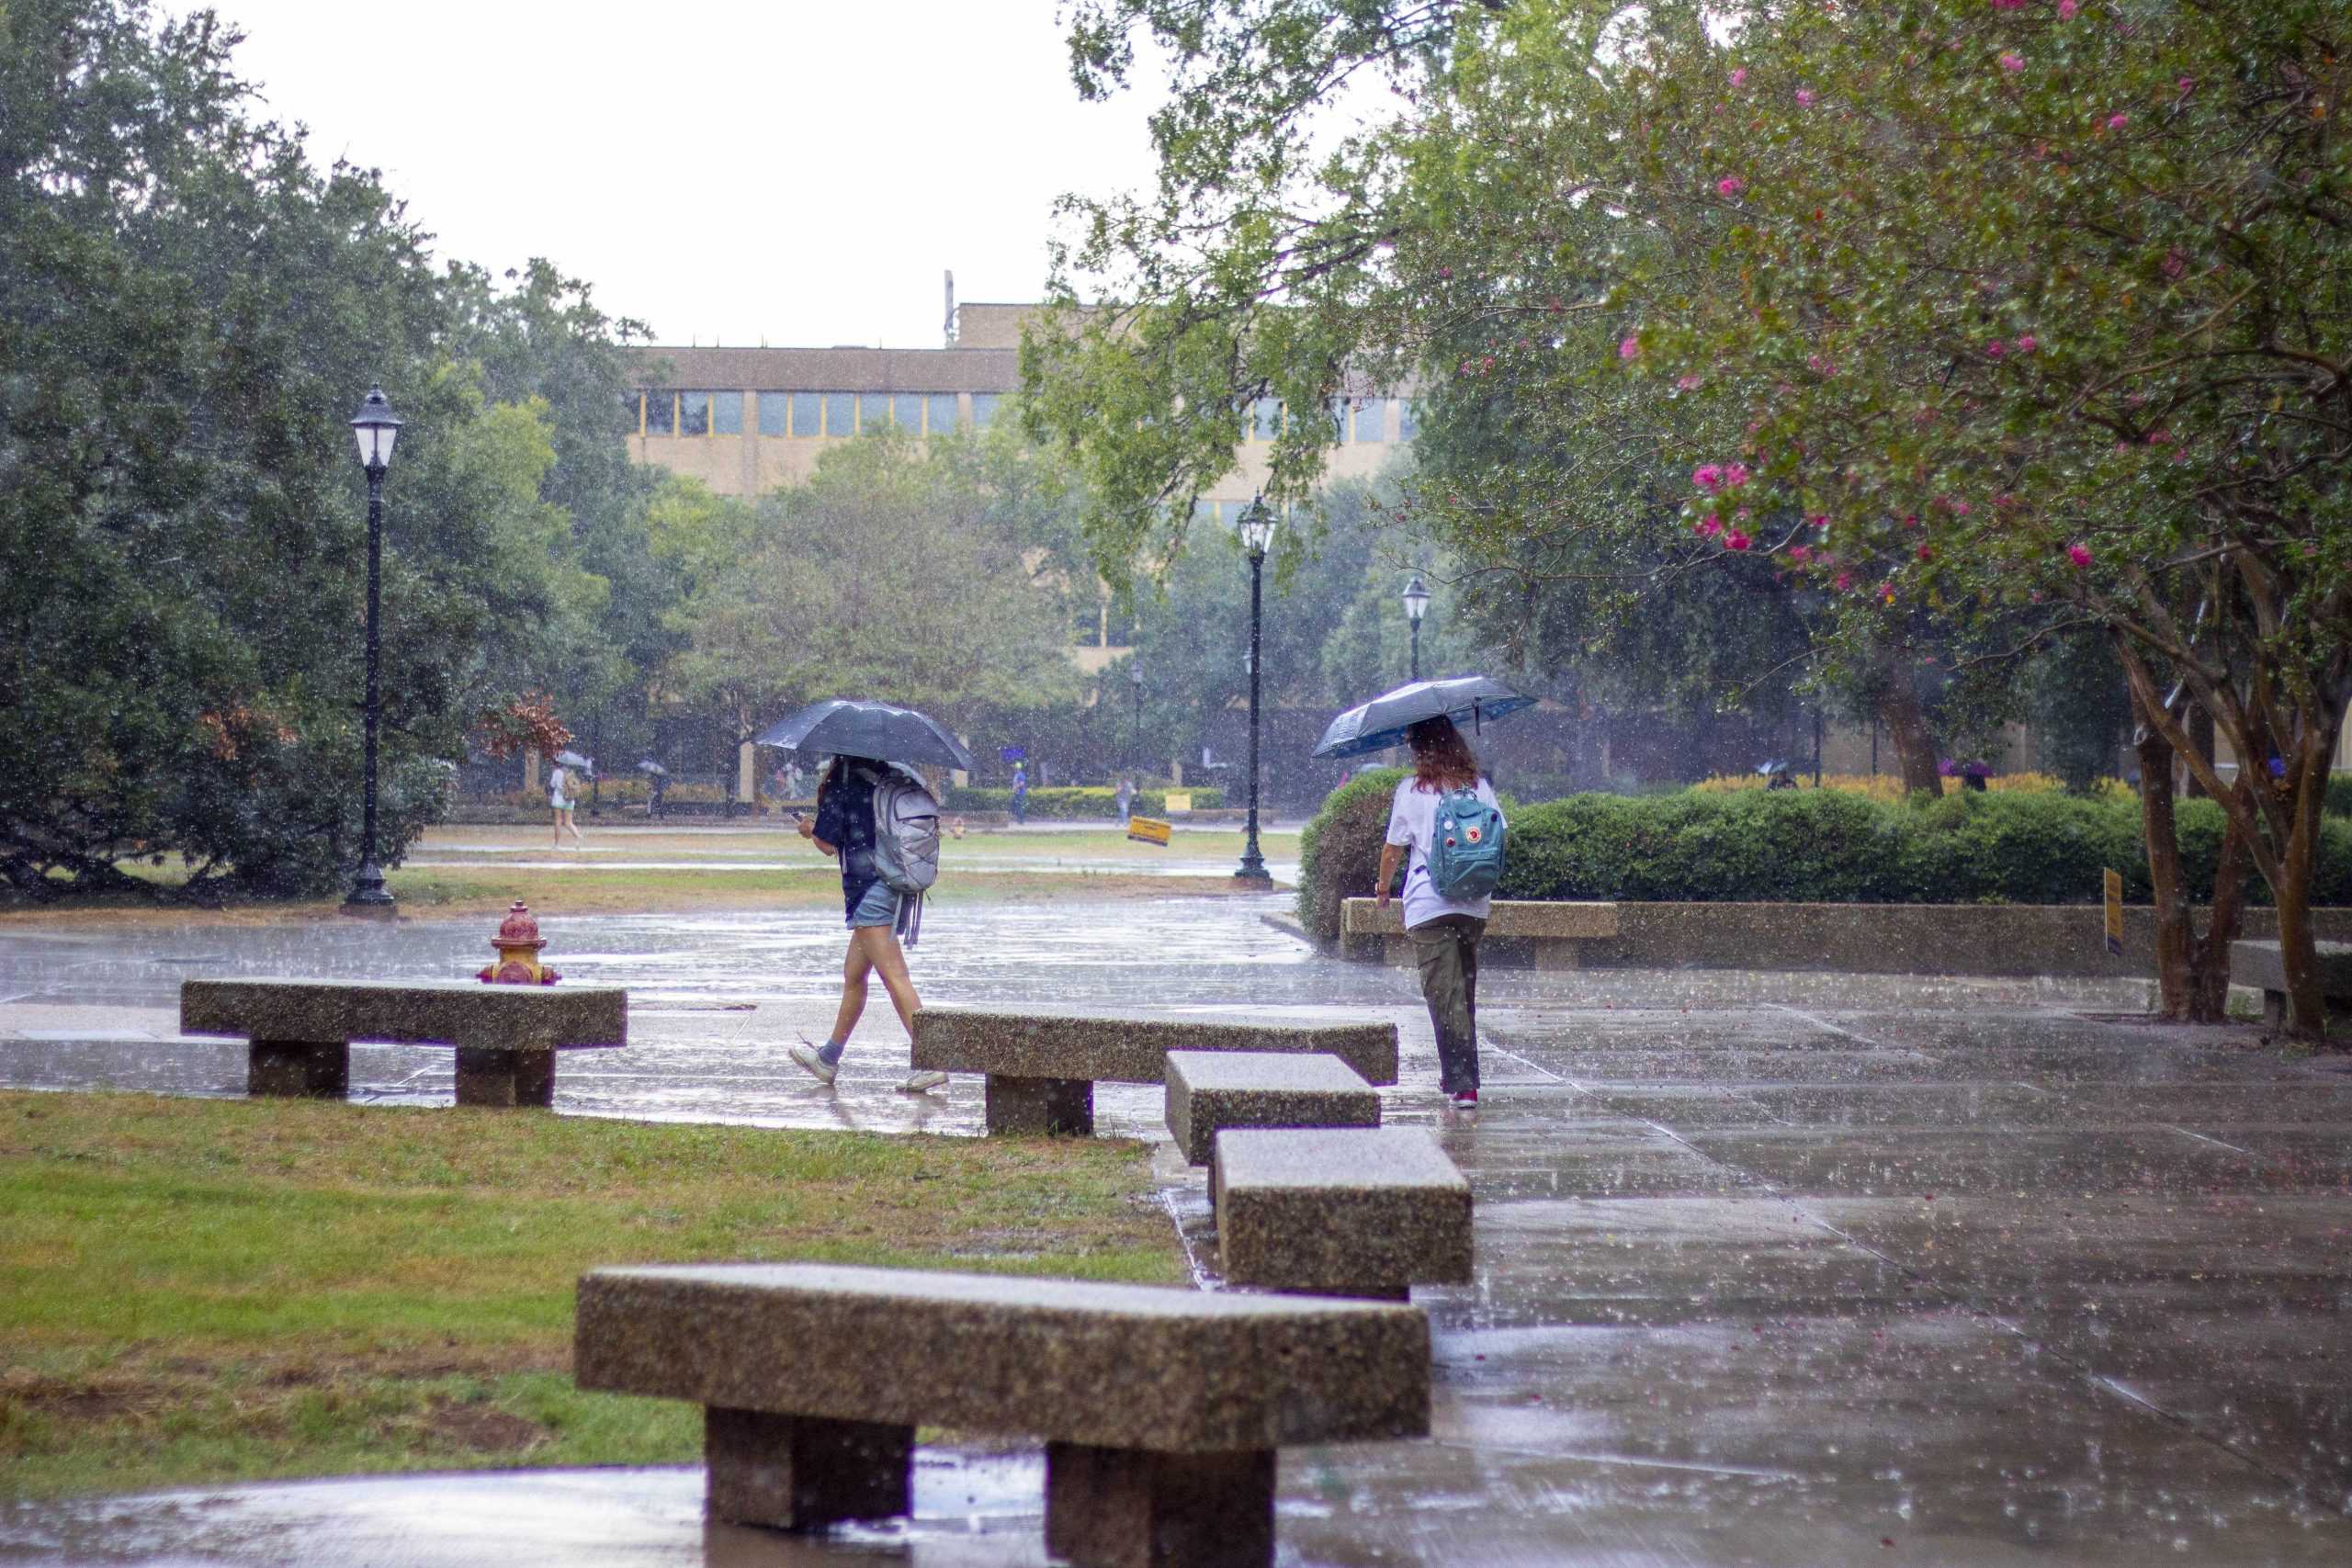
(923, 1083)
(819, 1069)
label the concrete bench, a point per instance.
(1161, 1409)
(1355, 1211)
(505, 1037)
(1523, 933)
(1210, 1091)
(2261, 965)
(1042, 1067)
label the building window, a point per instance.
(841, 415)
(1336, 412)
(1408, 424)
(693, 413)
(1265, 420)
(873, 411)
(939, 413)
(633, 411)
(1372, 420)
(776, 409)
(660, 413)
(984, 409)
(907, 408)
(726, 414)
(807, 414)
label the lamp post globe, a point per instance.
(1256, 529)
(375, 428)
(1417, 604)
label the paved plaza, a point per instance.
(1782, 1270)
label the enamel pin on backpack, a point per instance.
(1465, 847)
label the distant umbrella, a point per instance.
(1382, 722)
(574, 760)
(1776, 765)
(650, 766)
(840, 728)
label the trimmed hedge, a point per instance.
(1804, 846)
(1078, 803)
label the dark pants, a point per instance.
(1446, 948)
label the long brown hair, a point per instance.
(1441, 758)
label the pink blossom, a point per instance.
(1739, 76)
(1630, 348)
(1799, 552)
(1706, 475)
(1926, 552)
(1687, 383)
(2118, 121)
(2004, 499)
(2026, 344)
(2174, 263)
(1737, 541)
(2066, 9)
(1996, 349)
(1730, 184)
(1445, 272)
(1961, 507)
(1845, 581)
(1911, 520)
(2187, 85)
(2160, 438)
(1805, 97)
(2008, 5)
(1735, 475)
(1709, 525)
(1486, 363)
(2013, 63)
(1820, 520)
(1820, 364)
(2079, 554)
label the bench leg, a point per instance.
(298, 1070)
(1034, 1106)
(488, 1076)
(1138, 1508)
(2274, 1009)
(799, 1472)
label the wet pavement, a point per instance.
(1771, 1268)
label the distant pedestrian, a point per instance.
(1445, 931)
(660, 787)
(843, 828)
(1127, 799)
(1019, 794)
(562, 795)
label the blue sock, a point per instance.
(831, 1052)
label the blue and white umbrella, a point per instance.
(1382, 722)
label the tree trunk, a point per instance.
(2200, 735)
(2297, 952)
(2209, 955)
(1906, 727)
(2192, 972)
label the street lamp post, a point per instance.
(1417, 604)
(1134, 742)
(1257, 531)
(375, 428)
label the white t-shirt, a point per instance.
(1412, 820)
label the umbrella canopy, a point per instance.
(650, 766)
(574, 760)
(1382, 722)
(842, 728)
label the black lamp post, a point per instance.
(1257, 531)
(1417, 604)
(1134, 740)
(377, 427)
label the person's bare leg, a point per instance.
(572, 820)
(855, 970)
(890, 962)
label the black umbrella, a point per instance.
(574, 760)
(1382, 722)
(842, 728)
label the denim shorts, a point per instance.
(878, 908)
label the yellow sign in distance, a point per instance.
(1150, 830)
(2115, 912)
(1180, 803)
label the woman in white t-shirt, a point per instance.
(1444, 931)
(560, 787)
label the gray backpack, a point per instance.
(905, 843)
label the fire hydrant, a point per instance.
(518, 943)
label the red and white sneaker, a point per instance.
(1467, 1097)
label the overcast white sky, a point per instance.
(791, 172)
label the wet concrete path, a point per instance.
(1773, 1269)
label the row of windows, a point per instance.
(1353, 419)
(801, 415)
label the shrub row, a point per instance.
(1803, 846)
(1078, 803)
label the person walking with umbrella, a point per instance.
(1447, 831)
(864, 739)
(563, 794)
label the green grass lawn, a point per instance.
(229, 1290)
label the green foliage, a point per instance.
(2339, 796)
(1804, 846)
(1338, 850)
(1077, 803)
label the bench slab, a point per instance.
(1209, 1090)
(1161, 1408)
(1125, 1050)
(2261, 965)
(1538, 919)
(1361, 1211)
(505, 1037)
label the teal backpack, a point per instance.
(1466, 848)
